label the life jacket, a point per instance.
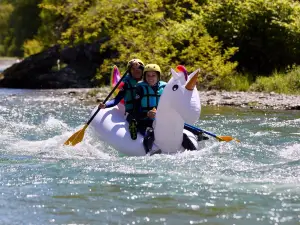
(150, 99)
(129, 92)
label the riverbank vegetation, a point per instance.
(239, 44)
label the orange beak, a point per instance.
(192, 82)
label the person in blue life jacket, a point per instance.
(147, 97)
(135, 69)
(148, 94)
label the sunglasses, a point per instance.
(141, 66)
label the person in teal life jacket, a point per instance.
(135, 69)
(148, 94)
(147, 97)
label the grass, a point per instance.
(236, 82)
(282, 83)
(279, 82)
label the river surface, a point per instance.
(256, 181)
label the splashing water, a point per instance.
(43, 182)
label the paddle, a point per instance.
(78, 136)
(219, 138)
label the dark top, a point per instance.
(118, 98)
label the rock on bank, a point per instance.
(56, 67)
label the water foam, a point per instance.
(291, 152)
(54, 148)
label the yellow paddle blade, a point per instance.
(76, 137)
(227, 138)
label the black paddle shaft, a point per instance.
(108, 96)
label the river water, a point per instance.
(256, 181)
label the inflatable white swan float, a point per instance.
(178, 104)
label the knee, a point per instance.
(142, 130)
(187, 143)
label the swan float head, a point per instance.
(179, 104)
(182, 94)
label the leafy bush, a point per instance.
(32, 47)
(155, 38)
(237, 82)
(279, 82)
(267, 32)
(255, 36)
(23, 23)
(5, 12)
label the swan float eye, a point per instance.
(175, 87)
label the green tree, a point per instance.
(265, 31)
(156, 31)
(52, 23)
(5, 12)
(23, 23)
